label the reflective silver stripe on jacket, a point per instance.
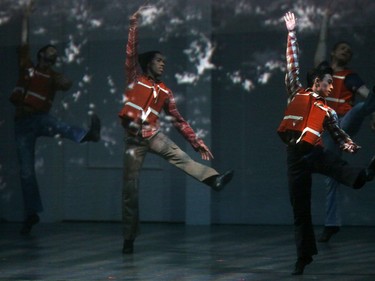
(144, 114)
(21, 89)
(29, 93)
(153, 88)
(338, 77)
(335, 100)
(145, 85)
(308, 129)
(165, 91)
(293, 117)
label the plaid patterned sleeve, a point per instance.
(180, 123)
(332, 126)
(131, 62)
(292, 81)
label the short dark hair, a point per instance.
(318, 72)
(43, 49)
(145, 58)
(337, 44)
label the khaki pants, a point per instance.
(135, 152)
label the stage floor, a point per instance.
(166, 252)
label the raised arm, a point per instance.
(24, 53)
(292, 81)
(25, 22)
(321, 49)
(132, 49)
(131, 62)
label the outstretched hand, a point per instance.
(205, 152)
(350, 147)
(28, 8)
(138, 13)
(290, 21)
(328, 12)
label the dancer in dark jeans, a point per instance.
(33, 97)
(353, 103)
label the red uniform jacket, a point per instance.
(341, 99)
(36, 88)
(144, 100)
(304, 118)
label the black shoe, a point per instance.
(327, 233)
(218, 182)
(300, 265)
(94, 132)
(128, 247)
(28, 224)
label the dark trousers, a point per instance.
(27, 130)
(302, 163)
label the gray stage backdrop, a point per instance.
(225, 63)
